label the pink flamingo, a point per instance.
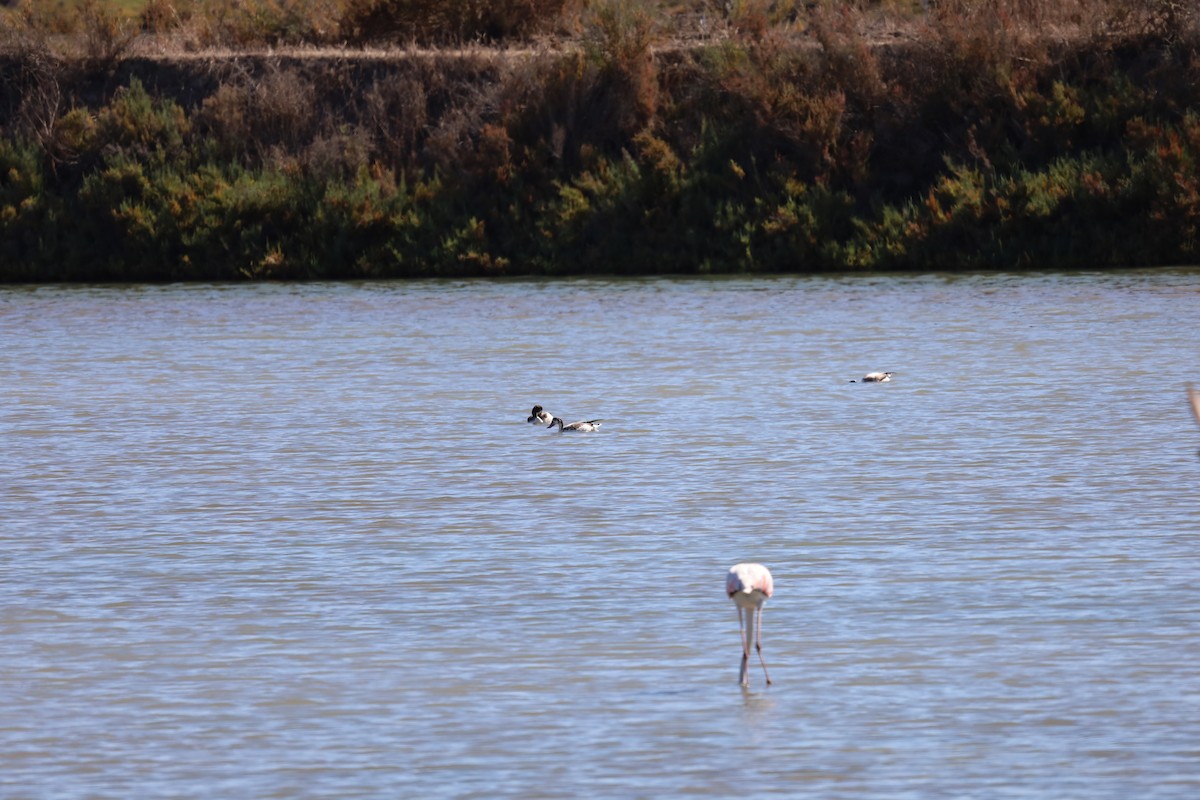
(749, 586)
(1194, 400)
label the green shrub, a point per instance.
(141, 127)
(29, 215)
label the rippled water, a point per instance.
(297, 541)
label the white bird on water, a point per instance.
(876, 377)
(540, 415)
(576, 427)
(749, 586)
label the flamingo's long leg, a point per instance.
(758, 645)
(744, 635)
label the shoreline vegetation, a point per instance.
(152, 140)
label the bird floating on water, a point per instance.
(749, 586)
(540, 415)
(586, 426)
(876, 377)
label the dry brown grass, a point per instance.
(98, 30)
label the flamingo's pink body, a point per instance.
(749, 586)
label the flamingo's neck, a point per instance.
(748, 630)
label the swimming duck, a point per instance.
(581, 427)
(540, 415)
(876, 377)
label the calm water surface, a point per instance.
(274, 541)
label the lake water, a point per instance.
(297, 541)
